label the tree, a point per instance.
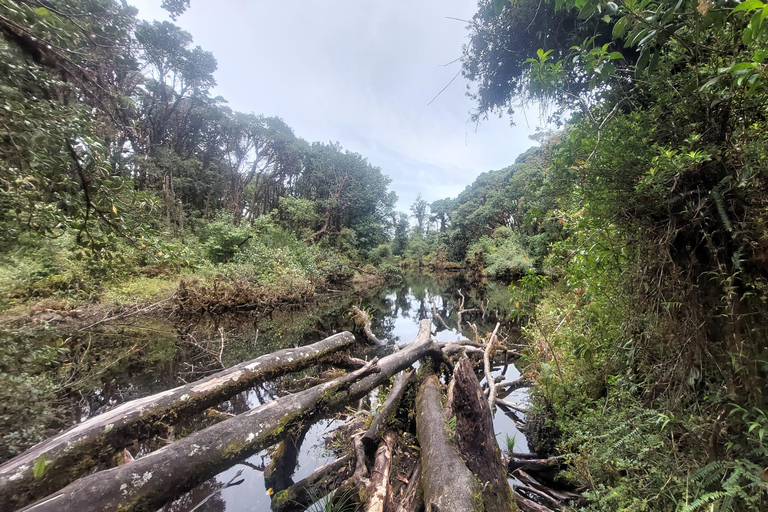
(419, 211)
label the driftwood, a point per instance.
(149, 482)
(301, 494)
(82, 449)
(487, 369)
(448, 485)
(533, 465)
(559, 497)
(509, 386)
(379, 489)
(511, 405)
(526, 505)
(475, 437)
(363, 320)
(437, 319)
(386, 411)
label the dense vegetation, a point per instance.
(634, 237)
(648, 309)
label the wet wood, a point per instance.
(379, 489)
(489, 380)
(437, 319)
(386, 411)
(526, 505)
(284, 460)
(559, 496)
(149, 482)
(363, 320)
(449, 486)
(532, 465)
(85, 447)
(303, 493)
(511, 405)
(475, 437)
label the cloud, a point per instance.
(362, 74)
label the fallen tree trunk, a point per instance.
(386, 411)
(149, 482)
(448, 485)
(437, 319)
(475, 437)
(559, 496)
(301, 494)
(532, 465)
(379, 489)
(527, 505)
(87, 446)
(363, 320)
(283, 461)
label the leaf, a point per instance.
(749, 5)
(498, 6)
(615, 56)
(42, 11)
(39, 467)
(620, 28)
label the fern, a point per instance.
(741, 486)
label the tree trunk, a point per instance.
(149, 482)
(85, 447)
(387, 410)
(380, 474)
(475, 437)
(448, 485)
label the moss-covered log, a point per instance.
(301, 495)
(149, 482)
(90, 444)
(475, 437)
(448, 485)
(386, 411)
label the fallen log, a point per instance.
(475, 437)
(284, 459)
(363, 320)
(511, 405)
(560, 496)
(487, 369)
(509, 386)
(147, 483)
(386, 411)
(540, 495)
(87, 446)
(527, 505)
(448, 485)
(379, 489)
(437, 319)
(532, 464)
(413, 500)
(303, 493)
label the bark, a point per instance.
(363, 320)
(476, 440)
(532, 464)
(448, 485)
(380, 475)
(149, 482)
(90, 444)
(412, 500)
(301, 494)
(386, 411)
(487, 369)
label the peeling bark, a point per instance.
(90, 444)
(380, 475)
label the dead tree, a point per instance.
(475, 437)
(80, 450)
(149, 482)
(363, 320)
(448, 485)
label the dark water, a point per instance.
(395, 311)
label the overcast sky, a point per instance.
(362, 74)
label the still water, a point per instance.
(396, 312)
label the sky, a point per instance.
(362, 74)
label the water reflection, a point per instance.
(395, 312)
